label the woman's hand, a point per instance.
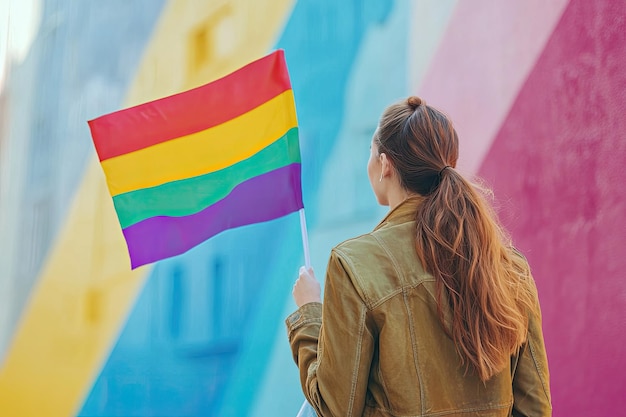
(307, 288)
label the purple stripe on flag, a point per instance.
(266, 197)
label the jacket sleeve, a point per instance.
(334, 366)
(531, 381)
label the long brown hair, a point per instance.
(458, 238)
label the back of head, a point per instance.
(420, 141)
(458, 238)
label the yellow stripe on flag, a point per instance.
(203, 152)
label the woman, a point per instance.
(431, 314)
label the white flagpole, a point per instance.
(306, 410)
(305, 240)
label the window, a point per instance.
(212, 41)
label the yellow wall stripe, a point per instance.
(75, 311)
(203, 152)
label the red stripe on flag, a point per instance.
(192, 111)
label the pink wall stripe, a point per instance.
(557, 165)
(484, 57)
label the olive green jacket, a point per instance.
(376, 346)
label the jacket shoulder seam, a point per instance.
(396, 268)
(357, 279)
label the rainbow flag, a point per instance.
(187, 167)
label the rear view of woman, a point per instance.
(433, 313)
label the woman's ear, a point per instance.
(386, 167)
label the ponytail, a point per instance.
(477, 273)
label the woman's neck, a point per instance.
(397, 195)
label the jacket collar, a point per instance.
(403, 212)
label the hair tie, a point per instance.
(443, 169)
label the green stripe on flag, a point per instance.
(191, 195)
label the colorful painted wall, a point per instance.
(537, 91)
